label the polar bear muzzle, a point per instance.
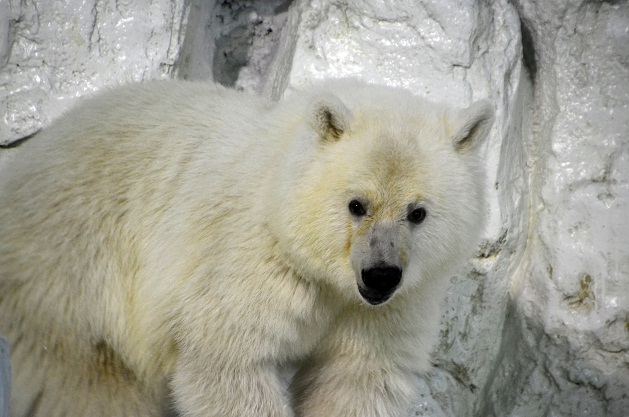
(379, 283)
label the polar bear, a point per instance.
(167, 247)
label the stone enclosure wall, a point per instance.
(538, 323)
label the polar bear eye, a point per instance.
(356, 208)
(417, 216)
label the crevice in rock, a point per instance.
(232, 42)
(528, 51)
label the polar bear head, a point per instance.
(381, 190)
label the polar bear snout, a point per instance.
(382, 279)
(379, 283)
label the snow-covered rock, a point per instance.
(538, 323)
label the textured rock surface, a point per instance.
(52, 52)
(232, 42)
(538, 324)
(567, 350)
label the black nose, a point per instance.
(382, 279)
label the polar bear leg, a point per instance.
(366, 367)
(48, 382)
(205, 388)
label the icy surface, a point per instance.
(538, 322)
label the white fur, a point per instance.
(180, 241)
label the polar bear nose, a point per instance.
(382, 279)
(380, 282)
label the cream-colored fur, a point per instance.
(171, 244)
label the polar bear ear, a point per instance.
(329, 117)
(470, 127)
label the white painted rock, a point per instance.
(569, 348)
(53, 52)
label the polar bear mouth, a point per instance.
(380, 282)
(374, 297)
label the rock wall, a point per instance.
(566, 352)
(538, 322)
(52, 52)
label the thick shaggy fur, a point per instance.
(169, 245)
